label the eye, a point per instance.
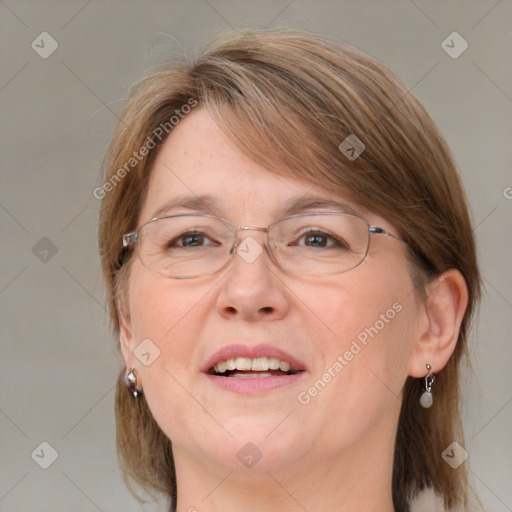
(189, 239)
(192, 240)
(316, 239)
(320, 239)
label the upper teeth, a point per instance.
(257, 364)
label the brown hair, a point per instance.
(287, 99)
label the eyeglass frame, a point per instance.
(132, 238)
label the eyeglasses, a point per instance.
(186, 246)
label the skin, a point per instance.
(333, 453)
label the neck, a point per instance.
(359, 477)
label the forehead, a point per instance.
(199, 169)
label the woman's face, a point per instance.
(350, 333)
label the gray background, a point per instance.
(58, 363)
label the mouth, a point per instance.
(253, 368)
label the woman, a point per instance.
(291, 273)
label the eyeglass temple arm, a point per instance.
(374, 230)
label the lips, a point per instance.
(258, 360)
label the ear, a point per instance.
(439, 325)
(126, 340)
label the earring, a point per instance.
(131, 382)
(426, 399)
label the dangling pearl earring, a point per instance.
(426, 397)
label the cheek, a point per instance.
(168, 315)
(160, 308)
(360, 302)
(365, 352)
(166, 324)
(149, 311)
(368, 320)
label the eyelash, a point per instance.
(187, 234)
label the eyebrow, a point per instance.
(202, 204)
(298, 205)
(208, 204)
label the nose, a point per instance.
(252, 289)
